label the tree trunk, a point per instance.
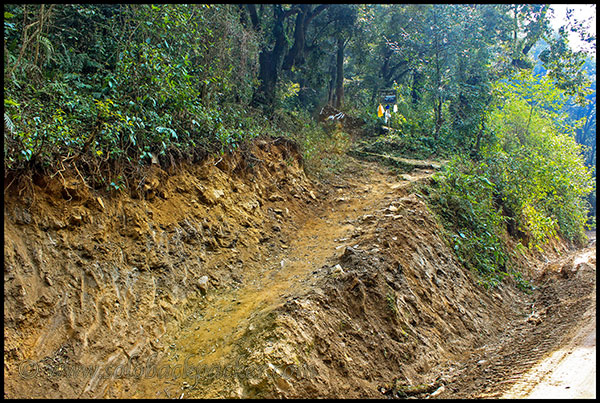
(437, 104)
(269, 62)
(305, 15)
(437, 110)
(339, 81)
(296, 54)
(331, 87)
(416, 87)
(479, 137)
(385, 67)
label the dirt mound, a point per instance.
(397, 306)
(379, 304)
(94, 278)
(387, 312)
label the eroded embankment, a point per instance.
(396, 308)
(92, 280)
(239, 279)
(219, 345)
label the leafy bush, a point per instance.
(323, 146)
(531, 173)
(536, 162)
(463, 198)
(123, 83)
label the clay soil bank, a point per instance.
(244, 277)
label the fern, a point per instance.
(9, 124)
(48, 47)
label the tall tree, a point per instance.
(271, 54)
(275, 55)
(344, 18)
(306, 13)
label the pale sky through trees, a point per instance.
(582, 12)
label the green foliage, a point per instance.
(286, 94)
(182, 76)
(530, 177)
(137, 81)
(463, 198)
(536, 162)
(391, 302)
(323, 147)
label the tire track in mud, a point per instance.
(563, 304)
(563, 370)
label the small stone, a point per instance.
(203, 284)
(438, 391)
(337, 269)
(23, 217)
(348, 251)
(367, 217)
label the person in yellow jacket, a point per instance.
(380, 111)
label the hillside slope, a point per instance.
(241, 278)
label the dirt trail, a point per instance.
(570, 371)
(211, 335)
(352, 292)
(550, 352)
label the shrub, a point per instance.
(538, 167)
(463, 198)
